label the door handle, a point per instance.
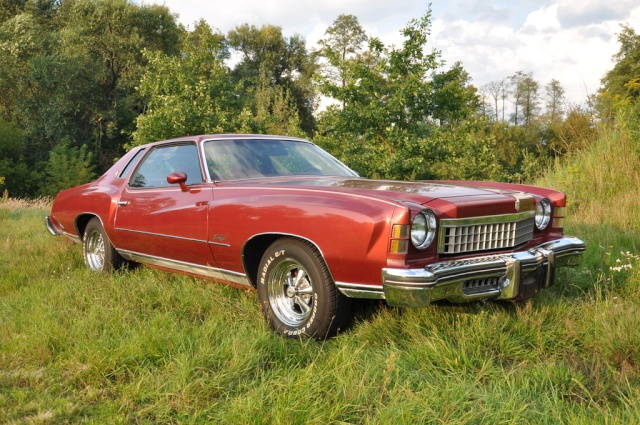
(123, 203)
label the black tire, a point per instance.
(97, 251)
(297, 293)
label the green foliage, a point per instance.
(67, 167)
(341, 50)
(454, 99)
(382, 127)
(616, 82)
(602, 181)
(18, 177)
(274, 66)
(69, 72)
(190, 93)
(470, 153)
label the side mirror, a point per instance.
(178, 177)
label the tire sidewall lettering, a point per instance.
(267, 264)
(303, 330)
(265, 268)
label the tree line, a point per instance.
(81, 81)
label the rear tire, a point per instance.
(297, 293)
(97, 251)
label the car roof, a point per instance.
(227, 136)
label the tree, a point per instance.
(524, 90)
(388, 106)
(621, 85)
(67, 167)
(573, 133)
(497, 92)
(269, 60)
(344, 43)
(190, 93)
(454, 99)
(18, 178)
(554, 100)
(10, 8)
(70, 70)
(470, 152)
(626, 70)
(109, 36)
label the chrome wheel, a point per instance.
(290, 291)
(94, 252)
(297, 293)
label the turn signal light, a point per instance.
(558, 217)
(399, 239)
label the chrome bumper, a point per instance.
(50, 227)
(504, 277)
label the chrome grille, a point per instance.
(477, 286)
(459, 236)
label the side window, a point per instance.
(162, 161)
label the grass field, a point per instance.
(143, 346)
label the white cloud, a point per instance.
(586, 12)
(577, 55)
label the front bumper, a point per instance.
(510, 276)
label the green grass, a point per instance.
(143, 346)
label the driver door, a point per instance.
(160, 223)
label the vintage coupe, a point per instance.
(281, 215)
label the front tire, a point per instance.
(97, 251)
(297, 293)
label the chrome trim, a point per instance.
(59, 232)
(458, 223)
(50, 227)
(226, 245)
(197, 269)
(354, 290)
(487, 219)
(161, 235)
(524, 201)
(520, 274)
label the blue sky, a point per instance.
(571, 41)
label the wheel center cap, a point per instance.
(291, 292)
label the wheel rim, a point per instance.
(290, 293)
(94, 250)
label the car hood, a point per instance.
(473, 198)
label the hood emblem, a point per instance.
(524, 202)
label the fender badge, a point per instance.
(517, 204)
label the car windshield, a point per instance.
(237, 159)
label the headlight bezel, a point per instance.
(423, 229)
(543, 214)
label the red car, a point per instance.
(281, 215)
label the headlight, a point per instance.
(543, 214)
(423, 229)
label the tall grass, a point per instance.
(143, 346)
(603, 182)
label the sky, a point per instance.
(572, 41)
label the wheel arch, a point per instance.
(255, 247)
(81, 223)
